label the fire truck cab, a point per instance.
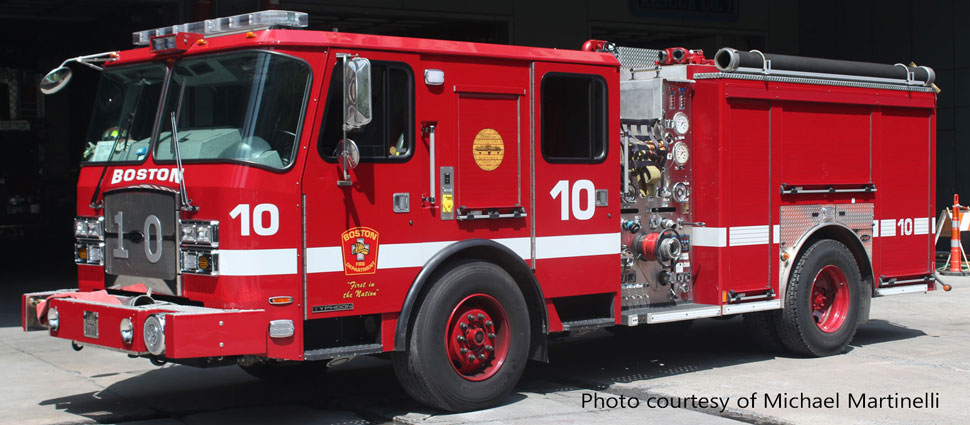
(282, 199)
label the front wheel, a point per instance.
(470, 340)
(822, 301)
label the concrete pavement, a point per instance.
(914, 344)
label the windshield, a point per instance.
(239, 107)
(124, 113)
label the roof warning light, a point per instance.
(255, 21)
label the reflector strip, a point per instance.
(921, 226)
(709, 236)
(888, 227)
(749, 235)
(257, 262)
(417, 254)
(577, 245)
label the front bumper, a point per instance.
(189, 331)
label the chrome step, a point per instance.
(345, 351)
(578, 325)
(898, 290)
(674, 313)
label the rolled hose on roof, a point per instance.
(729, 60)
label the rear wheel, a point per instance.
(763, 329)
(822, 301)
(469, 342)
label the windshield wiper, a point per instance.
(123, 132)
(183, 195)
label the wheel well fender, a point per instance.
(841, 233)
(487, 250)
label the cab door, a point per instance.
(352, 230)
(577, 179)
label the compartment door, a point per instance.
(904, 200)
(489, 174)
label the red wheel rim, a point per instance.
(830, 299)
(477, 337)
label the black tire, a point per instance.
(763, 329)
(425, 369)
(286, 372)
(796, 325)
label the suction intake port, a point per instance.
(663, 247)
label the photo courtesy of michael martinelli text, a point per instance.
(782, 400)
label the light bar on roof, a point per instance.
(230, 25)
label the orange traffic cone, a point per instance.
(956, 256)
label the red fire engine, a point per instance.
(281, 199)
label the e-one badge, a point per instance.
(488, 149)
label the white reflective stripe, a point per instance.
(577, 245)
(257, 262)
(875, 228)
(324, 259)
(748, 235)
(888, 227)
(776, 234)
(520, 246)
(417, 254)
(932, 228)
(398, 255)
(709, 236)
(921, 226)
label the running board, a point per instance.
(686, 311)
(345, 351)
(898, 290)
(729, 309)
(579, 325)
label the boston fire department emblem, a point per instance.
(359, 248)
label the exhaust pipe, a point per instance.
(730, 60)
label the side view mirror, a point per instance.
(357, 93)
(349, 152)
(55, 80)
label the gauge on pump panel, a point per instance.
(681, 192)
(681, 154)
(681, 123)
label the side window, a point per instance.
(573, 118)
(390, 134)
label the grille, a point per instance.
(633, 57)
(142, 244)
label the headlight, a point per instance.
(89, 228)
(53, 318)
(127, 330)
(188, 233)
(200, 233)
(154, 333)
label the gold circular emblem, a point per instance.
(488, 149)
